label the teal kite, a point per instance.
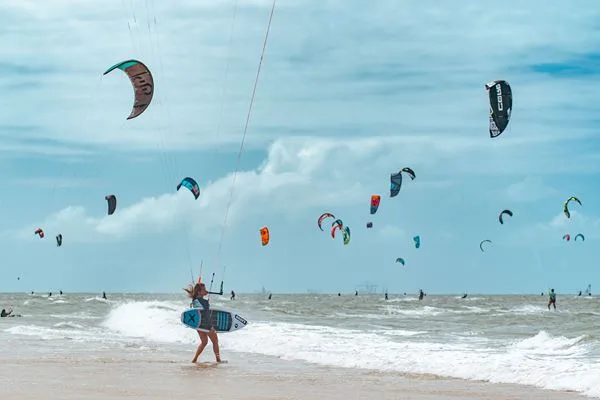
(142, 82)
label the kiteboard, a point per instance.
(220, 319)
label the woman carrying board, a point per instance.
(197, 293)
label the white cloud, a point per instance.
(530, 189)
(300, 174)
(391, 232)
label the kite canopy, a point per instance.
(500, 106)
(264, 235)
(375, 200)
(369, 224)
(507, 212)
(417, 240)
(59, 240)
(395, 184)
(111, 199)
(566, 205)
(567, 237)
(396, 180)
(39, 232)
(482, 242)
(581, 236)
(335, 227)
(400, 260)
(346, 235)
(142, 81)
(192, 185)
(322, 217)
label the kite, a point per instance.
(507, 212)
(566, 237)
(369, 224)
(400, 260)
(39, 232)
(192, 185)
(500, 106)
(322, 217)
(581, 236)
(417, 240)
(346, 233)
(59, 240)
(482, 242)
(396, 180)
(395, 184)
(375, 199)
(337, 226)
(566, 205)
(111, 199)
(143, 84)
(264, 235)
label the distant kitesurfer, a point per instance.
(5, 313)
(270, 294)
(579, 293)
(197, 293)
(464, 296)
(421, 294)
(232, 295)
(60, 292)
(552, 299)
(386, 295)
(50, 294)
(339, 294)
(104, 295)
(356, 292)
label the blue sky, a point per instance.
(349, 93)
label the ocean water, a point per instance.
(501, 339)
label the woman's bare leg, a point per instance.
(201, 346)
(215, 342)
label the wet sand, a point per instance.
(146, 374)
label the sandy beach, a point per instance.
(155, 375)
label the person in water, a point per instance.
(5, 313)
(386, 295)
(197, 293)
(104, 295)
(552, 299)
(232, 295)
(421, 294)
(270, 295)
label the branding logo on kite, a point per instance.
(242, 320)
(499, 95)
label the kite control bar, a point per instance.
(211, 283)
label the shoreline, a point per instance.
(157, 374)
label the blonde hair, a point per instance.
(193, 291)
